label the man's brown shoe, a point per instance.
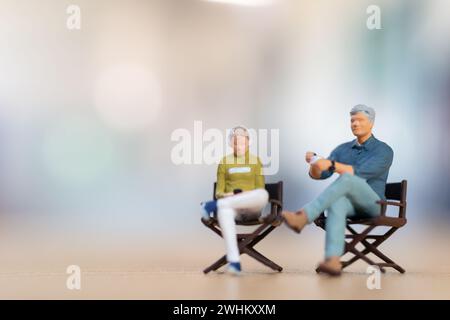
(295, 220)
(331, 267)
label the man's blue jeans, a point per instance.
(348, 196)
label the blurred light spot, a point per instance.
(77, 152)
(127, 97)
(248, 3)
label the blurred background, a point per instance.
(86, 116)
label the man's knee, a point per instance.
(347, 176)
(346, 179)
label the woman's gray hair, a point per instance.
(233, 132)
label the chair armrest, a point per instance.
(384, 204)
(390, 203)
(275, 211)
(276, 202)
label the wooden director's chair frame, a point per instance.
(395, 196)
(247, 241)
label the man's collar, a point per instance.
(366, 145)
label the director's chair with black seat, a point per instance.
(395, 196)
(247, 241)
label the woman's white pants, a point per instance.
(248, 202)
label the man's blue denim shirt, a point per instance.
(370, 160)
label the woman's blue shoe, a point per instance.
(234, 268)
(205, 214)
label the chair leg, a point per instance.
(262, 236)
(261, 258)
(247, 246)
(357, 257)
(382, 256)
(246, 242)
(372, 248)
(216, 265)
(369, 248)
(398, 268)
(253, 237)
(350, 247)
(364, 257)
(350, 261)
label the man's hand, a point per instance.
(322, 165)
(309, 155)
(317, 166)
